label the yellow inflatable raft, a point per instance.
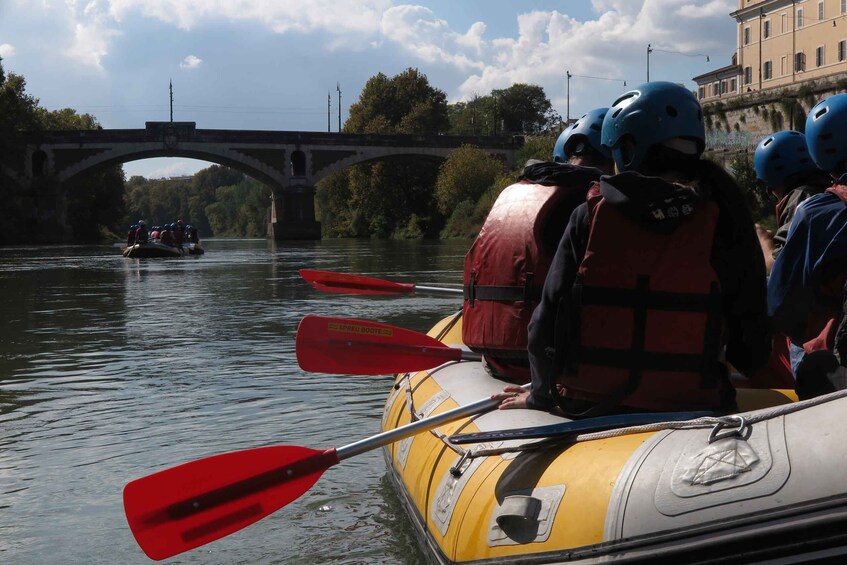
(769, 482)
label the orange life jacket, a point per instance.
(646, 313)
(505, 269)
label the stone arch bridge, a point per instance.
(289, 163)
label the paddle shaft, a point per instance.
(419, 288)
(429, 423)
(329, 281)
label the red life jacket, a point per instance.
(646, 313)
(505, 270)
(825, 315)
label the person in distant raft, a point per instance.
(657, 275)
(785, 170)
(141, 234)
(806, 287)
(506, 266)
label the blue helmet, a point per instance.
(826, 132)
(781, 155)
(572, 141)
(648, 115)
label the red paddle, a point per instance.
(357, 284)
(190, 505)
(358, 347)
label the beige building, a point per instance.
(781, 43)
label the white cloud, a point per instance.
(7, 50)
(337, 17)
(418, 31)
(190, 62)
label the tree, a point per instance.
(405, 103)
(379, 198)
(465, 176)
(524, 108)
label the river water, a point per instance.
(112, 369)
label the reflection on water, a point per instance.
(113, 368)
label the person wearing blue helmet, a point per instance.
(806, 286)
(658, 276)
(166, 235)
(141, 234)
(579, 143)
(786, 171)
(505, 268)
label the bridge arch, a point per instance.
(290, 163)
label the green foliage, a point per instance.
(525, 109)
(536, 147)
(239, 210)
(745, 176)
(465, 175)
(519, 109)
(405, 103)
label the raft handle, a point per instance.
(518, 511)
(718, 432)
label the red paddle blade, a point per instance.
(356, 347)
(353, 284)
(193, 504)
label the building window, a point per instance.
(767, 70)
(819, 56)
(747, 35)
(842, 49)
(702, 92)
(733, 85)
(799, 62)
(844, 6)
(782, 66)
(748, 75)
(799, 17)
(766, 29)
(820, 11)
(784, 19)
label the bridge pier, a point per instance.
(293, 214)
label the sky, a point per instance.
(271, 64)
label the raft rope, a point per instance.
(722, 426)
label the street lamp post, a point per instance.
(569, 75)
(650, 49)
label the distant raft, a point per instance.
(155, 249)
(766, 483)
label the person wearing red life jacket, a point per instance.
(806, 288)
(657, 278)
(166, 235)
(505, 268)
(141, 234)
(786, 171)
(130, 235)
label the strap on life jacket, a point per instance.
(503, 293)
